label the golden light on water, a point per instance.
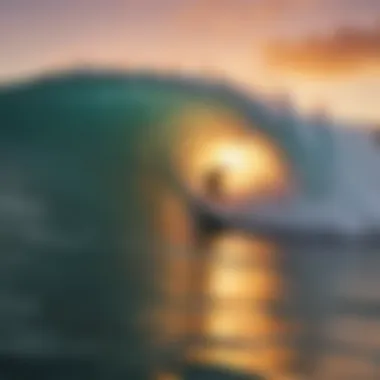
(243, 267)
(246, 250)
(241, 277)
(236, 273)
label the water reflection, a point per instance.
(283, 311)
(241, 277)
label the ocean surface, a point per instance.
(258, 306)
(242, 303)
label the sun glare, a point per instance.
(247, 163)
(250, 167)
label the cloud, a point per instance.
(348, 50)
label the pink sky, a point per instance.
(229, 37)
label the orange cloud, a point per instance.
(347, 51)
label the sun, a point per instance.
(221, 153)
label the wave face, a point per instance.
(336, 167)
(76, 244)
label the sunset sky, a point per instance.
(323, 52)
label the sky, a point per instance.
(324, 53)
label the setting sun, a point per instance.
(248, 164)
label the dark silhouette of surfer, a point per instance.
(213, 189)
(213, 183)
